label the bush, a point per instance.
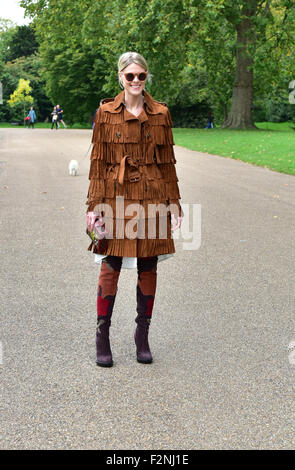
(273, 110)
(190, 116)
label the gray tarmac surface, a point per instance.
(222, 376)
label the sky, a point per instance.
(11, 10)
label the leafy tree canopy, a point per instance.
(197, 50)
(22, 43)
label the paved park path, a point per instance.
(223, 319)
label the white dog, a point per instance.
(73, 167)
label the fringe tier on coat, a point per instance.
(133, 166)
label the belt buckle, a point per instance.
(135, 177)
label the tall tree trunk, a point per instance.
(240, 115)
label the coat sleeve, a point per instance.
(95, 194)
(166, 163)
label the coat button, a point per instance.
(118, 135)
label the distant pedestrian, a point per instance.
(210, 122)
(32, 116)
(59, 113)
(54, 115)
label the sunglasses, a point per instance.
(130, 76)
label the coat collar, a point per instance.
(152, 106)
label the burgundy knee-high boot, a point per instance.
(107, 289)
(146, 288)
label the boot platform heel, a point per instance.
(103, 350)
(143, 352)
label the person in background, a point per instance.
(59, 113)
(32, 116)
(93, 118)
(54, 115)
(210, 122)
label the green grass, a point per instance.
(272, 146)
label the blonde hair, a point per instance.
(131, 58)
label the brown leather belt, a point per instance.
(134, 175)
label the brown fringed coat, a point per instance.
(133, 157)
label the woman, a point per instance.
(32, 116)
(54, 115)
(132, 162)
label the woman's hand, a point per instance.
(176, 223)
(90, 220)
(95, 223)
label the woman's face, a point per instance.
(135, 87)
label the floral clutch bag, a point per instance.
(99, 242)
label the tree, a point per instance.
(235, 44)
(21, 96)
(240, 115)
(25, 66)
(30, 69)
(7, 29)
(156, 29)
(250, 22)
(220, 37)
(275, 65)
(22, 43)
(83, 64)
(72, 69)
(211, 53)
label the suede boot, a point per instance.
(106, 294)
(143, 352)
(146, 288)
(103, 349)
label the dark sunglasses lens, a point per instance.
(142, 77)
(129, 77)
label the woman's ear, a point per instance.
(120, 80)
